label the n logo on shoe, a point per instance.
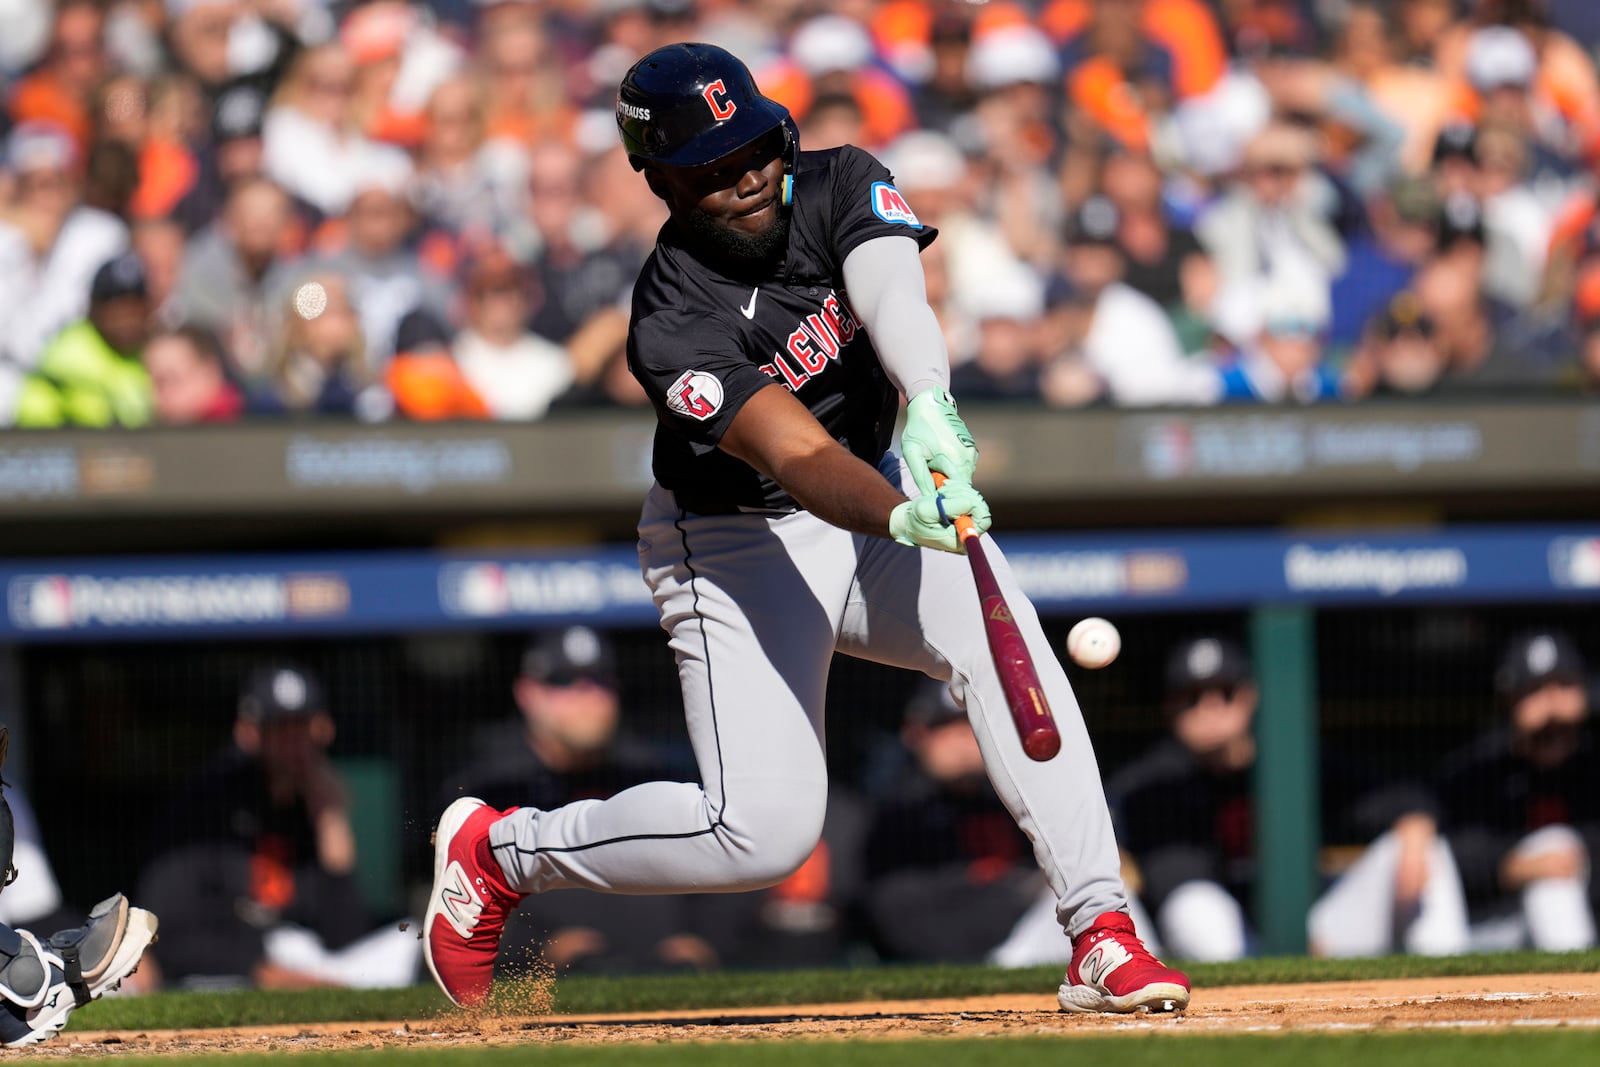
(1101, 960)
(459, 900)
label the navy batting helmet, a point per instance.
(687, 104)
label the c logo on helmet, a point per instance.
(716, 95)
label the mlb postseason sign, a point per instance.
(398, 592)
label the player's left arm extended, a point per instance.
(775, 434)
(889, 296)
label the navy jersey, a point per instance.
(702, 343)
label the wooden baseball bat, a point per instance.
(1030, 712)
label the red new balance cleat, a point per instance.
(468, 905)
(1111, 970)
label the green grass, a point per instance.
(739, 989)
(1442, 1049)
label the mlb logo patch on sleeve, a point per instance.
(696, 394)
(890, 206)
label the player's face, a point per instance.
(734, 201)
(1215, 718)
(578, 712)
(1548, 720)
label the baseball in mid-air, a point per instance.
(1093, 643)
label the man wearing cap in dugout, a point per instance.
(1522, 814)
(260, 837)
(1186, 815)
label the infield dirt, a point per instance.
(1545, 1000)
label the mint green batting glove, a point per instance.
(935, 439)
(930, 520)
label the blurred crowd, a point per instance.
(217, 209)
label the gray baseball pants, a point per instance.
(756, 606)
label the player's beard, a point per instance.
(741, 251)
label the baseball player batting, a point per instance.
(775, 326)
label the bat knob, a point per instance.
(1041, 744)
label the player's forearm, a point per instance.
(888, 294)
(842, 490)
(775, 434)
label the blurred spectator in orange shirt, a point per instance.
(1126, 61)
(1562, 89)
(1125, 102)
(1186, 29)
(524, 84)
(423, 376)
(400, 60)
(61, 89)
(168, 168)
(374, 36)
(834, 55)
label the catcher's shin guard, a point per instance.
(24, 971)
(42, 983)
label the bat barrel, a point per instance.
(1042, 743)
(1030, 711)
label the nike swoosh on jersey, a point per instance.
(750, 308)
